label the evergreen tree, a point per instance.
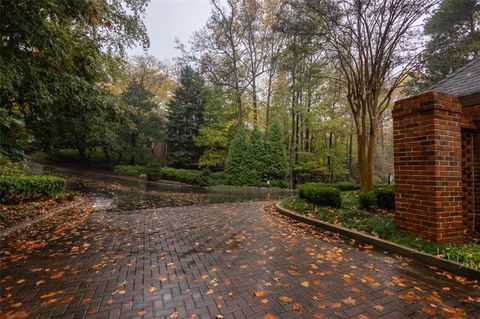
(140, 129)
(454, 33)
(217, 130)
(235, 165)
(254, 157)
(275, 159)
(184, 118)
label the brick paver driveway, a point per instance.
(233, 260)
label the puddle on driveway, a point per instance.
(118, 194)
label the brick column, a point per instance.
(428, 166)
(473, 114)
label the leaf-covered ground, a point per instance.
(232, 260)
(11, 215)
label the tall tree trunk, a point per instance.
(254, 100)
(238, 97)
(292, 134)
(329, 158)
(82, 153)
(350, 156)
(372, 142)
(267, 107)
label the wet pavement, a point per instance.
(210, 260)
(129, 193)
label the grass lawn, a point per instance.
(382, 225)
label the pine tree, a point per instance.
(254, 157)
(235, 165)
(275, 159)
(184, 118)
(141, 130)
(454, 40)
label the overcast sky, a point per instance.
(169, 19)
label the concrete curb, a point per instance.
(11, 230)
(425, 258)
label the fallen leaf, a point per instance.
(349, 301)
(57, 275)
(269, 316)
(141, 313)
(285, 299)
(67, 299)
(336, 305)
(264, 301)
(452, 313)
(297, 306)
(408, 296)
(15, 315)
(50, 301)
(388, 292)
(259, 293)
(429, 311)
(378, 308)
(51, 294)
(305, 283)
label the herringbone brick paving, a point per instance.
(233, 260)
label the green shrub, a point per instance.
(15, 189)
(341, 186)
(320, 194)
(367, 200)
(279, 183)
(186, 176)
(346, 186)
(219, 178)
(154, 171)
(9, 168)
(385, 197)
(129, 170)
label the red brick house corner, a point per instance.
(437, 158)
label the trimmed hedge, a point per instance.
(15, 189)
(129, 170)
(319, 194)
(385, 197)
(279, 183)
(186, 176)
(341, 186)
(346, 186)
(367, 200)
(155, 172)
(219, 178)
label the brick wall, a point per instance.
(428, 166)
(468, 179)
(473, 113)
